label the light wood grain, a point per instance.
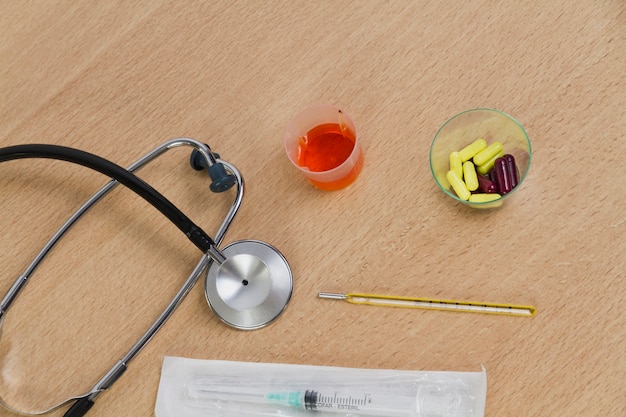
(118, 79)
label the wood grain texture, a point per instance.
(117, 79)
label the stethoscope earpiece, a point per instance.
(197, 161)
(222, 180)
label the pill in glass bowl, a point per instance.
(485, 185)
(469, 176)
(487, 166)
(458, 185)
(512, 170)
(488, 153)
(455, 163)
(483, 198)
(502, 176)
(472, 149)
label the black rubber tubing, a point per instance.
(79, 408)
(198, 236)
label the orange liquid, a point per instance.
(325, 147)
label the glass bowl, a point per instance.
(467, 127)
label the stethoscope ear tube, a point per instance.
(80, 407)
(81, 404)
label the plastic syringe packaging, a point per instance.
(208, 388)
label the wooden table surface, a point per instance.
(119, 78)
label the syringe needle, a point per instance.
(434, 304)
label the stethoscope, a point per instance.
(248, 283)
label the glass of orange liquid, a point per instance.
(321, 141)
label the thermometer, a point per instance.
(433, 304)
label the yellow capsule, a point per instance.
(472, 149)
(488, 153)
(469, 176)
(486, 167)
(483, 198)
(458, 185)
(455, 163)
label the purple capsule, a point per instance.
(502, 176)
(492, 175)
(485, 185)
(512, 170)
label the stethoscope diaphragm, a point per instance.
(252, 287)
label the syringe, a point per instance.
(346, 402)
(361, 403)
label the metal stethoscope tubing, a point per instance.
(84, 402)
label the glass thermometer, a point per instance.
(433, 304)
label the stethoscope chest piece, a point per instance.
(252, 287)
